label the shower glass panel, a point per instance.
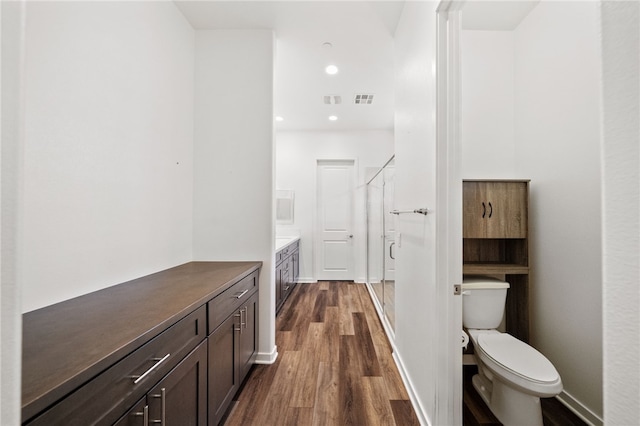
(381, 241)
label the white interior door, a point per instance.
(334, 236)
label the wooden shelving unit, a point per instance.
(496, 242)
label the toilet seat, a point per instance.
(517, 363)
(518, 357)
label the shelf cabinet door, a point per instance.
(296, 265)
(180, 398)
(278, 286)
(223, 367)
(248, 335)
(494, 209)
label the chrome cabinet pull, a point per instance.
(138, 379)
(239, 295)
(145, 415)
(163, 403)
(243, 322)
(162, 396)
(239, 328)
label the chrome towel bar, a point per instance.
(419, 211)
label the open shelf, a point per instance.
(492, 268)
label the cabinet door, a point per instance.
(494, 210)
(296, 265)
(180, 398)
(506, 209)
(286, 280)
(278, 286)
(223, 367)
(248, 335)
(474, 210)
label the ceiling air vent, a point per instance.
(332, 99)
(363, 99)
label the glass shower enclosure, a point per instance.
(381, 241)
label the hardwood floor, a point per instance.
(334, 366)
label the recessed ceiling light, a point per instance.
(278, 118)
(333, 118)
(331, 70)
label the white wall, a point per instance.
(621, 206)
(11, 130)
(233, 151)
(296, 155)
(558, 146)
(108, 152)
(487, 104)
(415, 186)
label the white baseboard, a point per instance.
(579, 409)
(267, 357)
(306, 280)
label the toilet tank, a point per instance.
(483, 300)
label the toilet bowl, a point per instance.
(513, 376)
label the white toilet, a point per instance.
(512, 375)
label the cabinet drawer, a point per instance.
(224, 304)
(105, 398)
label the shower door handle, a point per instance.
(391, 250)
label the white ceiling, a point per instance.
(361, 33)
(490, 15)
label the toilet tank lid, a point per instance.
(479, 282)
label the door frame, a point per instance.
(448, 407)
(316, 220)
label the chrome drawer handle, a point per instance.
(239, 295)
(138, 379)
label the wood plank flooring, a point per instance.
(334, 366)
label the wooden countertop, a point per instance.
(66, 344)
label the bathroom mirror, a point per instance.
(284, 207)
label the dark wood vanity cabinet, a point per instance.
(120, 357)
(287, 271)
(233, 343)
(180, 398)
